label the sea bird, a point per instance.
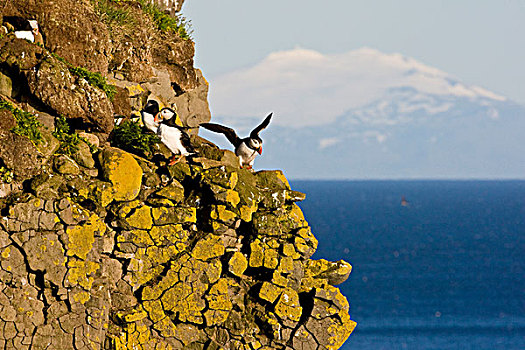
(148, 113)
(172, 135)
(247, 148)
(30, 32)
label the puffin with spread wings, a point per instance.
(247, 148)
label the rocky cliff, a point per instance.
(101, 248)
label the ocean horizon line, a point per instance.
(411, 179)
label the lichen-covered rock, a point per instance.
(333, 272)
(123, 171)
(65, 165)
(83, 155)
(176, 266)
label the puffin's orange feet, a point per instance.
(174, 161)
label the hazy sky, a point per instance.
(481, 42)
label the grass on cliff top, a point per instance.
(131, 137)
(167, 23)
(26, 123)
(116, 12)
(94, 79)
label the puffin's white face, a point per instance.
(34, 26)
(166, 114)
(254, 143)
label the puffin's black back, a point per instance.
(19, 23)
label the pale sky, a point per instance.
(481, 42)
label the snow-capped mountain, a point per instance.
(366, 114)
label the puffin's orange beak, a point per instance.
(156, 118)
(260, 150)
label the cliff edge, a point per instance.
(106, 248)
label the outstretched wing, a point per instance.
(255, 132)
(228, 132)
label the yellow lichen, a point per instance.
(289, 250)
(81, 297)
(232, 197)
(168, 234)
(288, 306)
(271, 258)
(279, 279)
(132, 316)
(208, 248)
(256, 253)
(247, 211)
(174, 191)
(222, 214)
(127, 207)
(6, 252)
(286, 264)
(141, 218)
(283, 178)
(219, 303)
(82, 237)
(135, 90)
(270, 292)
(79, 272)
(238, 264)
(123, 171)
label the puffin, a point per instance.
(172, 135)
(30, 32)
(247, 148)
(148, 113)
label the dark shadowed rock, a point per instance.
(121, 103)
(19, 55)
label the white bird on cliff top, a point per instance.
(247, 148)
(30, 32)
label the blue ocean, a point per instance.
(436, 264)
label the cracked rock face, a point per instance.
(216, 257)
